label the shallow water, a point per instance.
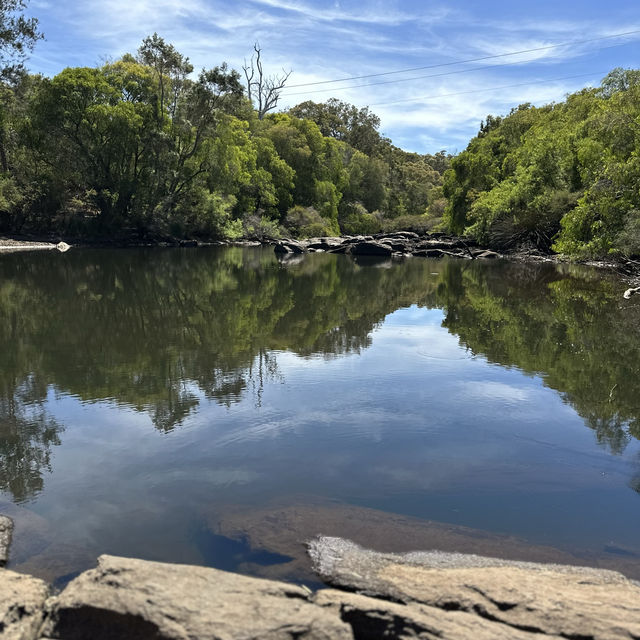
(146, 394)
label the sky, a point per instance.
(423, 110)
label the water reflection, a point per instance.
(157, 331)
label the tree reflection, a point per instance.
(157, 330)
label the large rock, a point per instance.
(370, 248)
(372, 618)
(555, 600)
(22, 601)
(6, 528)
(124, 598)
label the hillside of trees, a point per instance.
(141, 147)
(565, 176)
(144, 148)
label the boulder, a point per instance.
(62, 247)
(6, 529)
(370, 248)
(126, 598)
(22, 600)
(289, 246)
(559, 601)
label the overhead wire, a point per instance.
(432, 75)
(507, 86)
(469, 60)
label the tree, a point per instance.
(265, 90)
(18, 35)
(343, 121)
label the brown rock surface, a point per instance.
(21, 605)
(126, 598)
(555, 600)
(6, 528)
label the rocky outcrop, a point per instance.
(416, 595)
(398, 244)
(125, 598)
(22, 600)
(450, 595)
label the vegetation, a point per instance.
(564, 176)
(143, 147)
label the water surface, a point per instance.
(146, 394)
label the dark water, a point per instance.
(144, 393)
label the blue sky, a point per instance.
(331, 39)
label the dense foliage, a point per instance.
(564, 175)
(144, 147)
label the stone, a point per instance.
(62, 247)
(376, 618)
(22, 600)
(630, 292)
(554, 600)
(370, 248)
(127, 598)
(488, 255)
(6, 529)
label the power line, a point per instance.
(507, 86)
(432, 75)
(449, 64)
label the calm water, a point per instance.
(146, 395)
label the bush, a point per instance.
(628, 240)
(306, 222)
(356, 220)
(259, 227)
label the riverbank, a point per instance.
(371, 595)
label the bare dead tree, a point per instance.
(263, 90)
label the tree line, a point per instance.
(564, 176)
(143, 147)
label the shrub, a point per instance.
(306, 222)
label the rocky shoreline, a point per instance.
(396, 245)
(371, 595)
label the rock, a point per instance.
(126, 598)
(22, 600)
(188, 243)
(487, 255)
(370, 248)
(62, 247)
(324, 243)
(375, 618)
(289, 246)
(6, 529)
(630, 292)
(556, 600)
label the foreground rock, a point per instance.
(416, 595)
(6, 529)
(434, 593)
(22, 600)
(124, 598)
